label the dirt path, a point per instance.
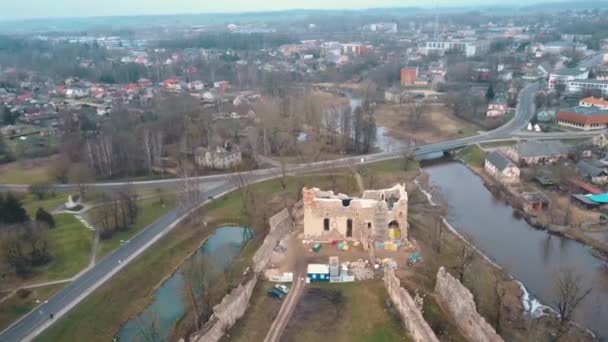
(287, 309)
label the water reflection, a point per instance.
(531, 255)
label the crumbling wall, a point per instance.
(233, 305)
(280, 224)
(459, 303)
(411, 316)
(226, 313)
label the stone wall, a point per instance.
(411, 316)
(234, 304)
(459, 303)
(226, 313)
(280, 224)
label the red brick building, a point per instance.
(408, 76)
(590, 114)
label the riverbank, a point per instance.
(508, 241)
(473, 162)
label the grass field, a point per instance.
(49, 203)
(100, 315)
(472, 155)
(344, 312)
(16, 306)
(149, 211)
(70, 246)
(26, 172)
(498, 144)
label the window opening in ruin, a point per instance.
(326, 224)
(349, 228)
(369, 225)
(346, 202)
(391, 202)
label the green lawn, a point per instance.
(360, 314)
(467, 132)
(100, 315)
(70, 246)
(31, 203)
(149, 211)
(498, 144)
(472, 155)
(16, 306)
(70, 243)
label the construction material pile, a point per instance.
(360, 269)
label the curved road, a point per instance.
(38, 319)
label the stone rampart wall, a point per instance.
(459, 303)
(411, 316)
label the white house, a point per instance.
(501, 168)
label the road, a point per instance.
(38, 319)
(287, 309)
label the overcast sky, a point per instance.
(22, 9)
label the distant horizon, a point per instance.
(21, 12)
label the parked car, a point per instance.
(275, 293)
(282, 288)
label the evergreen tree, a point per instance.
(5, 153)
(44, 216)
(12, 211)
(490, 93)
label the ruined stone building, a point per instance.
(379, 215)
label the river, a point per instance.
(167, 306)
(530, 255)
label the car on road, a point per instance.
(275, 293)
(282, 288)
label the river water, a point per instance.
(530, 255)
(168, 306)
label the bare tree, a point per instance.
(190, 193)
(416, 110)
(148, 329)
(462, 260)
(196, 289)
(568, 293)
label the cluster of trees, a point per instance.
(117, 213)
(232, 41)
(338, 129)
(6, 154)
(23, 243)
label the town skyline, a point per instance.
(41, 9)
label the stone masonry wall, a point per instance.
(459, 303)
(411, 316)
(234, 304)
(280, 224)
(226, 313)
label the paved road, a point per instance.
(38, 319)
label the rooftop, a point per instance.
(499, 160)
(586, 111)
(540, 149)
(570, 71)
